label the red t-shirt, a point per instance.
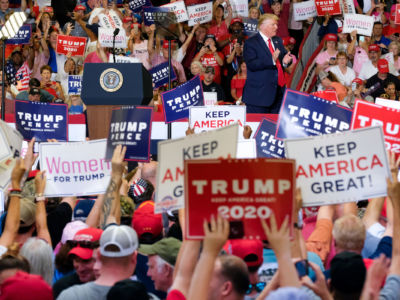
(209, 59)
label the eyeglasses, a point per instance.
(259, 286)
(84, 244)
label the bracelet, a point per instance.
(15, 194)
(39, 195)
(15, 190)
(41, 198)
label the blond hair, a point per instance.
(265, 17)
(349, 233)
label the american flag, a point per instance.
(137, 188)
(23, 75)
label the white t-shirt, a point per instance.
(368, 70)
(344, 79)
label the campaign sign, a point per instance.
(267, 145)
(205, 118)
(397, 14)
(159, 74)
(250, 26)
(337, 168)
(388, 103)
(74, 44)
(41, 120)
(119, 59)
(347, 6)
(246, 149)
(106, 36)
(152, 14)
(240, 190)
(22, 37)
(75, 169)
(304, 10)
(74, 84)
(177, 102)
(200, 13)
(331, 7)
(109, 20)
(240, 8)
(369, 114)
(362, 23)
(303, 115)
(179, 9)
(131, 127)
(10, 144)
(220, 143)
(137, 5)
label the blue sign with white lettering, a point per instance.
(137, 5)
(41, 120)
(250, 26)
(266, 144)
(22, 37)
(302, 115)
(131, 127)
(74, 84)
(159, 74)
(177, 101)
(152, 14)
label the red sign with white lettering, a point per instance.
(331, 7)
(241, 190)
(367, 114)
(74, 44)
(397, 14)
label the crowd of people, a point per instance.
(114, 246)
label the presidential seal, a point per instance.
(111, 80)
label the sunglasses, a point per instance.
(84, 244)
(259, 286)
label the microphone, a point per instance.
(116, 31)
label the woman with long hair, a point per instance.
(238, 81)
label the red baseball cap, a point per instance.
(145, 221)
(383, 66)
(289, 41)
(251, 251)
(165, 44)
(48, 9)
(127, 19)
(25, 286)
(234, 20)
(330, 37)
(80, 7)
(374, 47)
(358, 80)
(85, 235)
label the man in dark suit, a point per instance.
(265, 57)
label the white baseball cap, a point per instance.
(121, 236)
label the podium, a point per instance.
(106, 86)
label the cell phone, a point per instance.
(353, 86)
(333, 58)
(362, 39)
(302, 268)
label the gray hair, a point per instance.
(40, 257)
(161, 263)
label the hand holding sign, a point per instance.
(117, 161)
(216, 235)
(30, 157)
(17, 174)
(277, 238)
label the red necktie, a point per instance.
(281, 76)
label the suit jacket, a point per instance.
(262, 74)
